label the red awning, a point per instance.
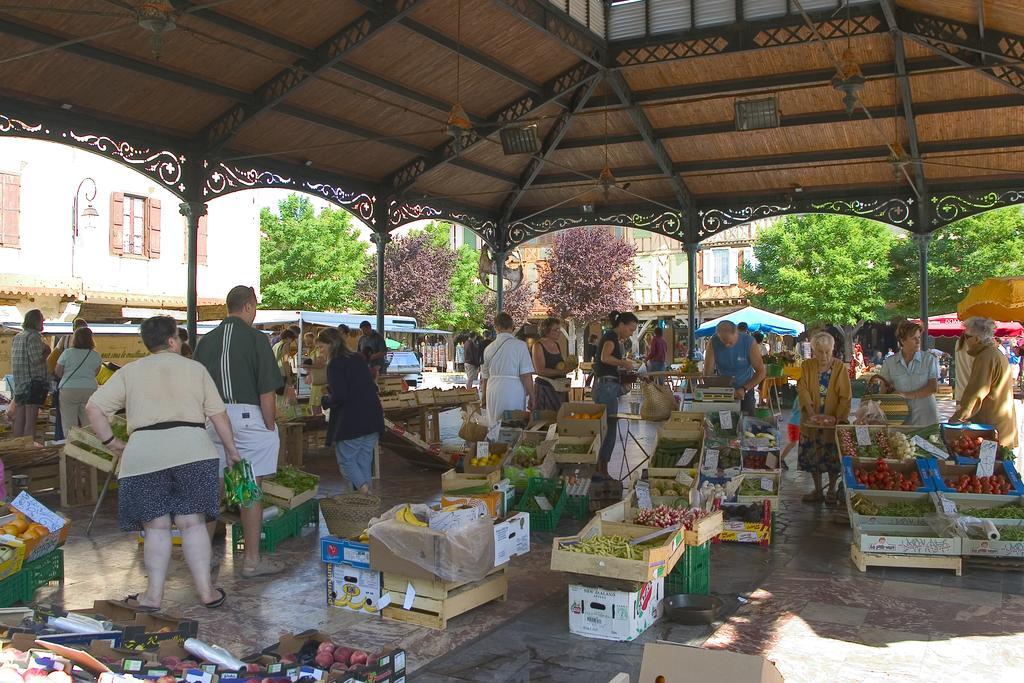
(951, 326)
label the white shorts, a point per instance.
(254, 441)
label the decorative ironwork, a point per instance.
(666, 223)
(664, 52)
(401, 213)
(892, 210)
(163, 165)
(713, 221)
(831, 28)
(359, 203)
(953, 207)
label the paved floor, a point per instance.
(800, 602)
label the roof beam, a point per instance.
(571, 34)
(880, 153)
(654, 145)
(964, 44)
(245, 29)
(740, 36)
(221, 131)
(400, 90)
(35, 35)
(795, 120)
(551, 142)
(906, 100)
(768, 84)
(403, 179)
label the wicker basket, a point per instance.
(347, 515)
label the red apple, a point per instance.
(252, 668)
(342, 655)
(324, 660)
(326, 647)
(35, 676)
(358, 658)
(167, 679)
(171, 662)
(288, 660)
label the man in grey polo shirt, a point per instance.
(241, 362)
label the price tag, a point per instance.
(543, 503)
(686, 458)
(947, 506)
(711, 459)
(987, 458)
(863, 435)
(684, 479)
(725, 418)
(767, 484)
(928, 447)
(643, 495)
(410, 596)
(483, 449)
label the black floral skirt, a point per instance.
(818, 452)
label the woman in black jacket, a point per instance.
(356, 419)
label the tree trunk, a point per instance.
(849, 331)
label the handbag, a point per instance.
(658, 403)
(38, 389)
(559, 384)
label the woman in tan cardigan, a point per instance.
(988, 396)
(824, 391)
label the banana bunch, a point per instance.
(406, 516)
(353, 598)
(863, 506)
(364, 537)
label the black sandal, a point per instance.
(132, 602)
(218, 602)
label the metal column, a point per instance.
(381, 240)
(922, 275)
(192, 211)
(691, 297)
(499, 286)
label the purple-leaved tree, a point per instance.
(587, 276)
(518, 303)
(417, 271)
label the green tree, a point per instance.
(960, 255)
(310, 261)
(467, 295)
(822, 269)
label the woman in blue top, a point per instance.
(913, 374)
(736, 355)
(76, 369)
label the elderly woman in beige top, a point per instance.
(988, 396)
(169, 467)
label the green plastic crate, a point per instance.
(693, 572)
(544, 520)
(38, 573)
(12, 590)
(578, 507)
(287, 524)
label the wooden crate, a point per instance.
(864, 560)
(292, 444)
(79, 482)
(283, 496)
(84, 435)
(438, 601)
(657, 562)
(41, 478)
(706, 529)
(594, 443)
(454, 481)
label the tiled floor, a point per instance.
(801, 603)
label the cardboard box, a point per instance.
(334, 550)
(671, 663)
(511, 538)
(427, 554)
(12, 553)
(494, 501)
(611, 612)
(493, 448)
(39, 513)
(569, 425)
(390, 667)
(456, 516)
(142, 630)
(354, 589)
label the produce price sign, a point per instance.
(767, 484)
(863, 435)
(725, 418)
(686, 457)
(711, 459)
(987, 458)
(928, 447)
(643, 495)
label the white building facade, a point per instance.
(131, 253)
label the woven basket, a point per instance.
(347, 515)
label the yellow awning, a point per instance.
(998, 298)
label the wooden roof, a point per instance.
(376, 79)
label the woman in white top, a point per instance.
(76, 369)
(506, 377)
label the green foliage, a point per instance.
(309, 261)
(469, 298)
(961, 255)
(821, 268)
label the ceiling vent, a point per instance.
(757, 114)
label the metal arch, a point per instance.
(404, 212)
(220, 179)
(668, 223)
(164, 161)
(950, 207)
(896, 210)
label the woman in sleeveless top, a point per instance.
(552, 384)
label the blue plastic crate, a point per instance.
(1001, 467)
(923, 469)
